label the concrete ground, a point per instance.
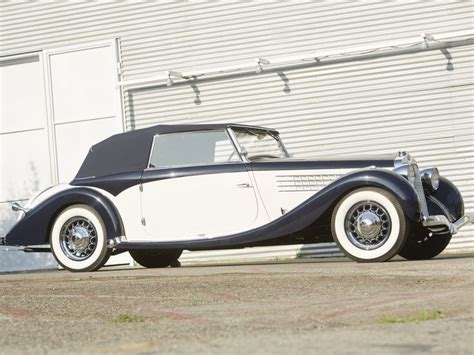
(316, 306)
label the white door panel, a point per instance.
(203, 206)
(22, 94)
(283, 190)
(84, 83)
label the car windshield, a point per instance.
(260, 144)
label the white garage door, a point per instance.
(54, 106)
(24, 152)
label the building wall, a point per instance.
(421, 103)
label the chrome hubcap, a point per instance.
(78, 238)
(367, 225)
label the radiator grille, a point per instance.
(418, 185)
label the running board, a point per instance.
(28, 248)
(37, 249)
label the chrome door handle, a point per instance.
(244, 185)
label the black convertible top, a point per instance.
(129, 151)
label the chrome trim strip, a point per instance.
(236, 144)
(151, 151)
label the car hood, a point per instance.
(328, 162)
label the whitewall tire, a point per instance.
(78, 239)
(369, 225)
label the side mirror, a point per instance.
(17, 207)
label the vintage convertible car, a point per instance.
(157, 191)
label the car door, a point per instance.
(196, 187)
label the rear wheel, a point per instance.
(369, 225)
(155, 258)
(423, 245)
(78, 239)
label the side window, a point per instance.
(192, 148)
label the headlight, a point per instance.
(430, 177)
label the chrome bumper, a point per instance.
(441, 220)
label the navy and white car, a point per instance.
(157, 191)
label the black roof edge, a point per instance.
(232, 125)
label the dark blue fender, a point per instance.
(304, 215)
(446, 200)
(34, 227)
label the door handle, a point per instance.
(244, 185)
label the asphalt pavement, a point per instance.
(302, 306)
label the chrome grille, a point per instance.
(418, 185)
(292, 183)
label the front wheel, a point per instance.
(423, 245)
(369, 225)
(155, 258)
(78, 239)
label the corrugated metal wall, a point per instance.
(421, 103)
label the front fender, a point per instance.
(446, 200)
(387, 180)
(34, 227)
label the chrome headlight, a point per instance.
(430, 177)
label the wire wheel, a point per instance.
(78, 238)
(368, 225)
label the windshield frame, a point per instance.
(241, 151)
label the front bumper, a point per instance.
(442, 221)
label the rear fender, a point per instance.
(35, 226)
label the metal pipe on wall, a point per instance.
(426, 42)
